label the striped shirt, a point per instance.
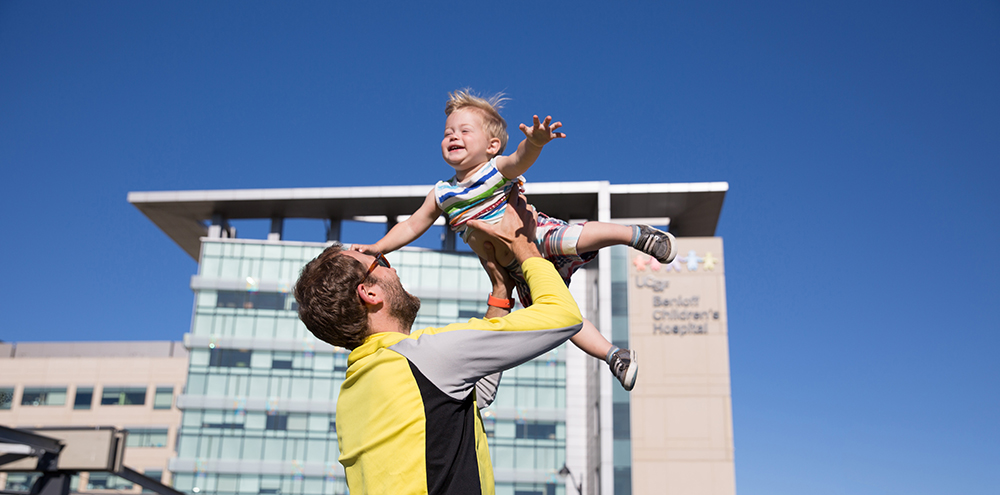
(483, 196)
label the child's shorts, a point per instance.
(557, 242)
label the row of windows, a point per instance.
(255, 300)
(230, 322)
(146, 437)
(317, 388)
(23, 482)
(84, 397)
(315, 423)
(261, 360)
(237, 314)
(230, 484)
(252, 484)
(239, 358)
(257, 448)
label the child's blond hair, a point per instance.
(494, 125)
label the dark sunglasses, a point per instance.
(379, 261)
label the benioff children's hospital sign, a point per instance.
(684, 298)
(681, 410)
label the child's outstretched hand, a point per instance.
(542, 132)
(364, 248)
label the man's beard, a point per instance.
(403, 306)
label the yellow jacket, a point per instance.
(407, 421)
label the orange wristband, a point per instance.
(496, 302)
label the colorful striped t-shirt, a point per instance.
(483, 196)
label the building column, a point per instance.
(333, 230)
(607, 467)
(277, 228)
(448, 239)
(220, 228)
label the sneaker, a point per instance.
(625, 367)
(657, 243)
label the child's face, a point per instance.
(466, 144)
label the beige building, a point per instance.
(681, 414)
(130, 385)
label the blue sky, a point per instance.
(859, 140)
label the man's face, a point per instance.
(401, 304)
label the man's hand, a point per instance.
(541, 133)
(516, 230)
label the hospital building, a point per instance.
(257, 400)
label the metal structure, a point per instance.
(62, 452)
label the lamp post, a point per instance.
(564, 472)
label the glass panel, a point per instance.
(84, 398)
(6, 397)
(43, 396)
(164, 398)
(146, 437)
(229, 358)
(21, 482)
(123, 396)
(156, 475)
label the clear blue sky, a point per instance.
(861, 142)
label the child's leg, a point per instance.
(654, 242)
(597, 235)
(621, 361)
(590, 340)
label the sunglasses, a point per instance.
(379, 261)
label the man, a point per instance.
(407, 420)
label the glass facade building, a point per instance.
(260, 402)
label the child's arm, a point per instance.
(406, 231)
(535, 137)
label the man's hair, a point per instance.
(328, 298)
(494, 125)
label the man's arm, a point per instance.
(406, 231)
(455, 357)
(535, 137)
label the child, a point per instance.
(475, 135)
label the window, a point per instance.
(146, 437)
(164, 398)
(38, 396)
(107, 481)
(152, 474)
(536, 430)
(229, 358)
(123, 396)
(464, 314)
(251, 300)
(621, 423)
(21, 482)
(277, 422)
(84, 398)
(6, 397)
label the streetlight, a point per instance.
(564, 472)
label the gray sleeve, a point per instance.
(486, 390)
(455, 360)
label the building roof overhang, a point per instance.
(691, 209)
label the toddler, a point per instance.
(475, 136)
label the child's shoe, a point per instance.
(624, 365)
(656, 243)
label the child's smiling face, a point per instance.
(466, 145)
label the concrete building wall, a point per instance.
(681, 411)
(43, 381)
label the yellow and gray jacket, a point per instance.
(407, 420)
